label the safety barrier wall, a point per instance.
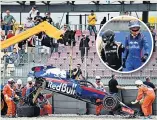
(155, 105)
(67, 105)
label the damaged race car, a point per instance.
(58, 81)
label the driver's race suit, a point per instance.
(133, 51)
(112, 55)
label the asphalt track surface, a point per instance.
(77, 117)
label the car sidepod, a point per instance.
(91, 93)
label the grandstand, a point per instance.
(93, 65)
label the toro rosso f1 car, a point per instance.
(57, 80)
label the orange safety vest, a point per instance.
(7, 90)
(145, 91)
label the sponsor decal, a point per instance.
(127, 110)
(56, 72)
(62, 87)
(134, 45)
(114, 46)
(111, 51)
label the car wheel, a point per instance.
(28, 111)
(110, 102)
(3, 105)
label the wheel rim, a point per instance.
(109, 103)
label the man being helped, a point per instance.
(99, 86)
(9, 95)
(111, 52)
(146, 97)
(134, 45)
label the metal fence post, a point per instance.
(85, 63)
(71, 62)
(4, 71)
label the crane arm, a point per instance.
(50, 30)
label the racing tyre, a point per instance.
(28, 111)
(110, 102)
(3, 105)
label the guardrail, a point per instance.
(83, 27)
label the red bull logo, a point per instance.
(63, 87)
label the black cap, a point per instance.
(92, 10)
(113, 76)
(34, 7)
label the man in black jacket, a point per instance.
(111, 52)
(48, 18)
(38, 19)
(84, 46)
(149, 83)
(46, 43)
(103, 22)
(114, 88)
(153, 35)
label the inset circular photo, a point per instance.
(124, 44)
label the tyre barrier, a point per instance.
(3, 105)
(28, 111)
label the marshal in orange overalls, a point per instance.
(99, 106)
(149, 97)
(45, 106)
(8, 94)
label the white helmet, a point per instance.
(19, 82)
(97, 77)
(10, 80)
(29, 79)
(138, 82)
